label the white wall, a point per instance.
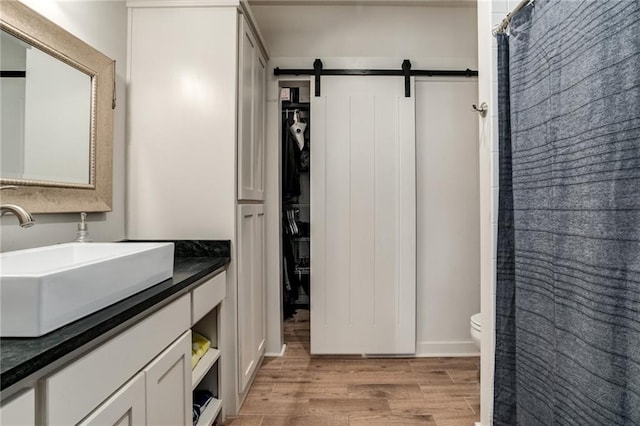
(377, 37)
(428, 36)
(448, 215)
(102, 24)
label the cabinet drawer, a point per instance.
(77, 389)
(207, 296)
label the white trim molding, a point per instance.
(183, 3)
(276, 354)
(446, 349)
(433, 3)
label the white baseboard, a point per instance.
(425, 349)
(434, 349)
(276, 354)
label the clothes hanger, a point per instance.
(297, 129)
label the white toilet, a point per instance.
(476, 329)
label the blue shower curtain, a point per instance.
(568, 271)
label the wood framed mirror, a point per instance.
(58, 95)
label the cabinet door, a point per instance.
(259, 82)
(124, 408)
(251, 112)
(251, 309)
(168, 385)
(19, 411)
(259, 283)
(247, 57)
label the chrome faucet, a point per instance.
(24, 217)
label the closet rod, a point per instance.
(429, 73)
(405, 71)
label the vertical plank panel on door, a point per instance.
(406, 304)
(319, 293)
(387, 211)
(362, 212)
(338, 224)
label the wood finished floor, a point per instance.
(300, 389)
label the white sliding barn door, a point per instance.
(363, 224)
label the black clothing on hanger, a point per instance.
(290, 162)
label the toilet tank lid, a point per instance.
(476, 319)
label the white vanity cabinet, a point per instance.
(159, 395)
(141, 375)
(79, 388)
(251, 290)
(251, 112)
(19, 410)
(76, 390)
(196, 123)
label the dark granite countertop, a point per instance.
(21, 358)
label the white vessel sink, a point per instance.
(45, 288)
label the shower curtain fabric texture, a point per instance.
(568, 259)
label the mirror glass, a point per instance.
(46, 115)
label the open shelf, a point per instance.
(210, 413)
(203, 366)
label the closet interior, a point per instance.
(296, 201)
